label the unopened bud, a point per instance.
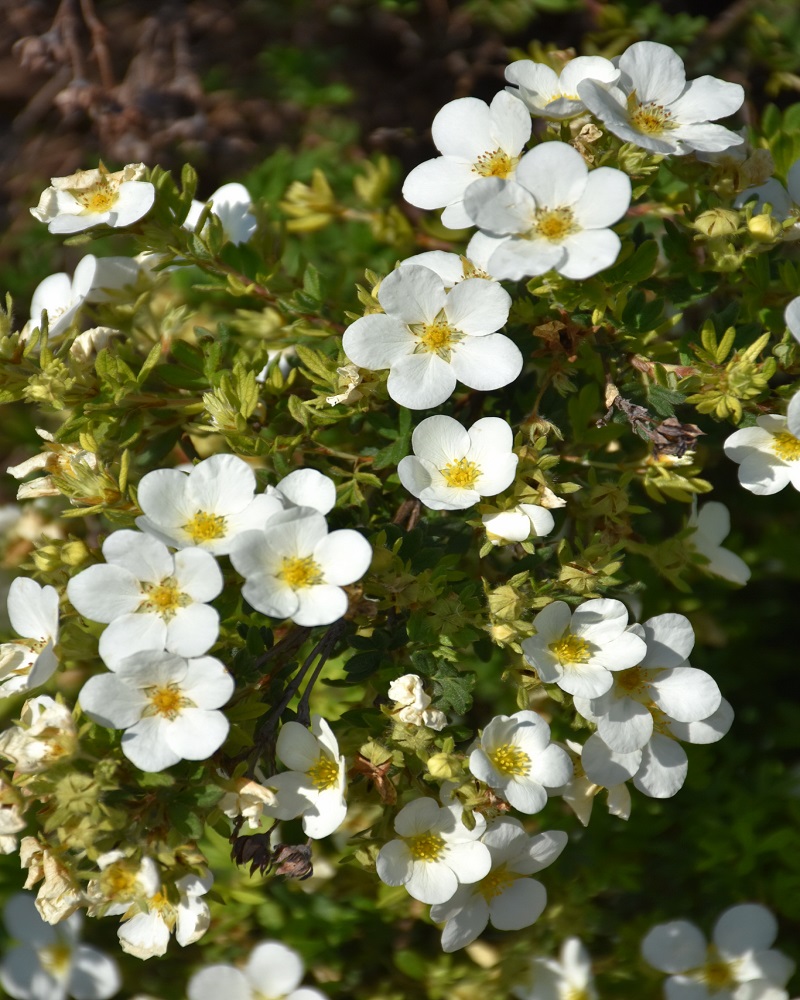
(717, 222)
(444, 766)
(764, 228)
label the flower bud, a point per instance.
(764, 228)
(717, 222)
(444, 766)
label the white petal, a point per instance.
(627, 727)
(418, 816)
(709, 730)
(465, 925)
(412, 294)
(143, 556)
(145, 746)
(526, 795)
(486, 363)
(103, 593)
(131, 634)
(516, 259)
(510, 123)
(32, 609)
(111, 702)
(94, 975)
(663, 769)
(344, 556)
(439, 182)
(135, 199)
(462, 128)
(477, 306)
(707, 99)
(321, 604)
(377, 341)
(326, 814)
(198, 574)
(604, 766)
(674, 947)
(440, 440)
(555, 173)
(519, 906)
(421, 381)
(605, 199)
(215, 981)
(297, 747)
(273, 969)
(792, 316)
(393, 863)
(431, 881)
(221, 484)
(588, 252)
(207, 683)
(670, 640)
(308, 488)
(499, 206)
(686, 694)
(656, 72)
(162, 497)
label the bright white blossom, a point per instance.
(578, 650)
(231, 204)
(569, 977)
(304, 488)
(166, 704)
(434, 853)
(46, 735)
(208, 506)
(740, 964)
(272, 972)
(712, 524)
(49, 963)
(768, 454)
(452, 268)
(554, 214)
(475, 140)
(315, 785)
(452, 467)
(95, 197)
(430, 337)
(517, 760)
(145, 932)
(654, 107)
(30, 661)
(580, 792)
(505, 897)
(59, 298)
(413, 704)
(149, 598)
(548, 94)
(524, 521)
(662, 687)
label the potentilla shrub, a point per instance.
(283, 537)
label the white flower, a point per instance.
(272, 972)
(434, 854)
(247, 799)
(207, 507)
(47, 735)
(50, 964)
(476, 140)
(452, 268)
(60, 297)
(712, 523)
(87, 344)
(95, 197)
(294, 568)
(30, 661)
(505, 897)
(430, 337)
(122, 885)
(452, 467)
(567, 978)
(659, 768)
(231, 204)
(555, 214)
(550, 95)
(517, 760)
(739, 965)
(662, 685)
(518, 524)
(579, 792)
(145, 934)
(792, 311)
(413, 703)
(166, 704)
(654, 107)
(149, 598)
(304, 488)
(315, 786)
(769, 453)
(56, 459)
(578, 650)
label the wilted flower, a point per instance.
(95, 197)
(56, 459)
(46, 736)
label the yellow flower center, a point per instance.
(205, 527)
(650, 118)
(325, 773)
(164, 598)
(300, 572)
(509, 759)
(167, 701)
(716, 974)
(631, 681)
(786, 446)
(570, 649)
(495, 163)
(98, 199)
(119, 881)
(438, 336)
(575, 993)
(426, 847)
(56, 959)
(496, 883)
(554, 224)
(461, 474)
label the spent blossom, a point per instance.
(506, 897)
(452, 467)
(95, 197)
(517, 760)
(30, 661)
(653, 106)
(548, 94)
(554, 215)
(475, 140)
(148, 597)
(413, 704)
(59, 894)
(431, 337)
(45, 736)
(434, 852)
(55, 459)
(739, 964)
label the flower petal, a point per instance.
(674, 947)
